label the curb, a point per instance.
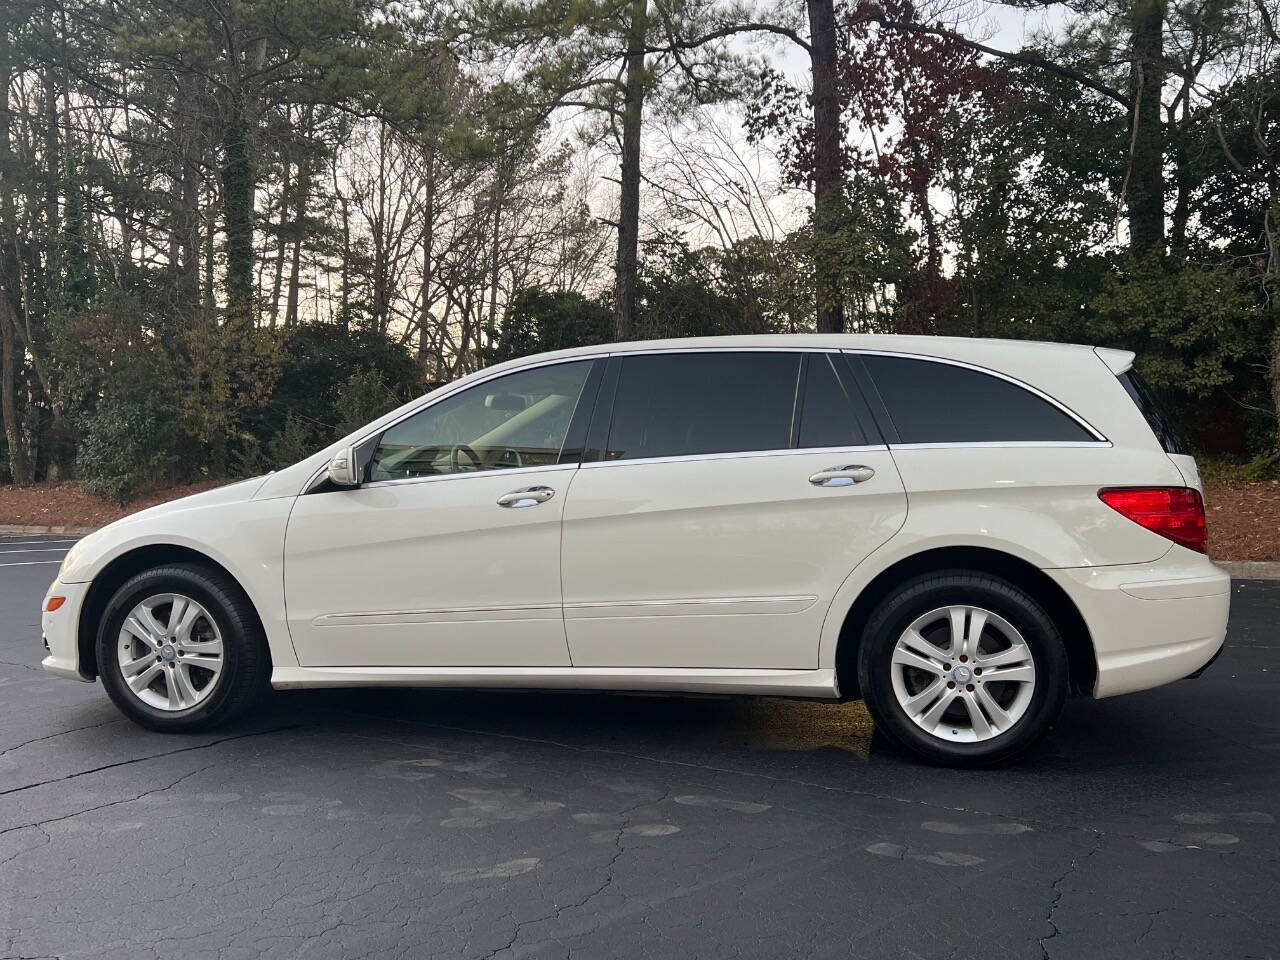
(1251, 570)
(22, 530)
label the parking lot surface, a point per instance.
(416, 823)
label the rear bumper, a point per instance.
(1151, 623)
(60, 630)
(1196, 673)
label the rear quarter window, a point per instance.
(1162, 425)
(933, 402)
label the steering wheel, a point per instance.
(457, 448)
(511, 456)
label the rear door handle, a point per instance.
(526, 497)
(845, 476)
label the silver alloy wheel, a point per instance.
(170, 652)
(963, 674)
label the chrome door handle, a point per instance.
(526, 497)
(842, 476)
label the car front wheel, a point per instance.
(962, 668)
(180, 649)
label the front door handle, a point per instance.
(526, 497)
(845, 476)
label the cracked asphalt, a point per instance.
(409, 824)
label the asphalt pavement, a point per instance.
(415, 823)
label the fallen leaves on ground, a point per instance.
(66, 505)
(1244, 519)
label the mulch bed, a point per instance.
(1244, 518)
(66, 505)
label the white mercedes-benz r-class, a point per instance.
(960, 532)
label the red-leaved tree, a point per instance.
(898, 92)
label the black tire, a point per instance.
(926, 593)
(246, 670)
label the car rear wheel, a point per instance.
(180, 649)
(962, 668)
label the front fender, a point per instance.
(245, 538)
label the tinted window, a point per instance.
(1162, 425)
(826, 415)
(678, 404)
(519, 420)
(941, 403)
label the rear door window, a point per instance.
(934, 402)
(685, 404)
(827, 417)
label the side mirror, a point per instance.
(343, 471)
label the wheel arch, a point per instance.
(111, 577)
(1082, 664)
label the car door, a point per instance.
(727, 498)
(448, 554)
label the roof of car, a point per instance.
(969, 349)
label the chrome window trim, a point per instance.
(467, 474)
(739, 455)
(929, 358)
(645, 351)
(1006, 444)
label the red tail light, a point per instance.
(1173, 512)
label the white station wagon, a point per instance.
(960, 532)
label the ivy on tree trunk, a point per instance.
(237, 207)
(624, 300)
(1146, 154)
(828, 169)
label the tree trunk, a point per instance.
(1181, 203)
(1275, 386)
(302, 187)
(237, 211)
(207, 299)
(282, 229)
(381, 239)
(495, 260)
(428, 245)
(1271, 230)
(188, 225)
(19, 468)
(827, 162)
(344, 294)
(933, 241)
(624, 295)
(52, 180)
(1146, 159)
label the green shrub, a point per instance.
(362, 397)
(125, 446)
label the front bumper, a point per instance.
(1151, 623)
(61, 630)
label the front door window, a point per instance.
(508, 423)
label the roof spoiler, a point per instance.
(1117, 361)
